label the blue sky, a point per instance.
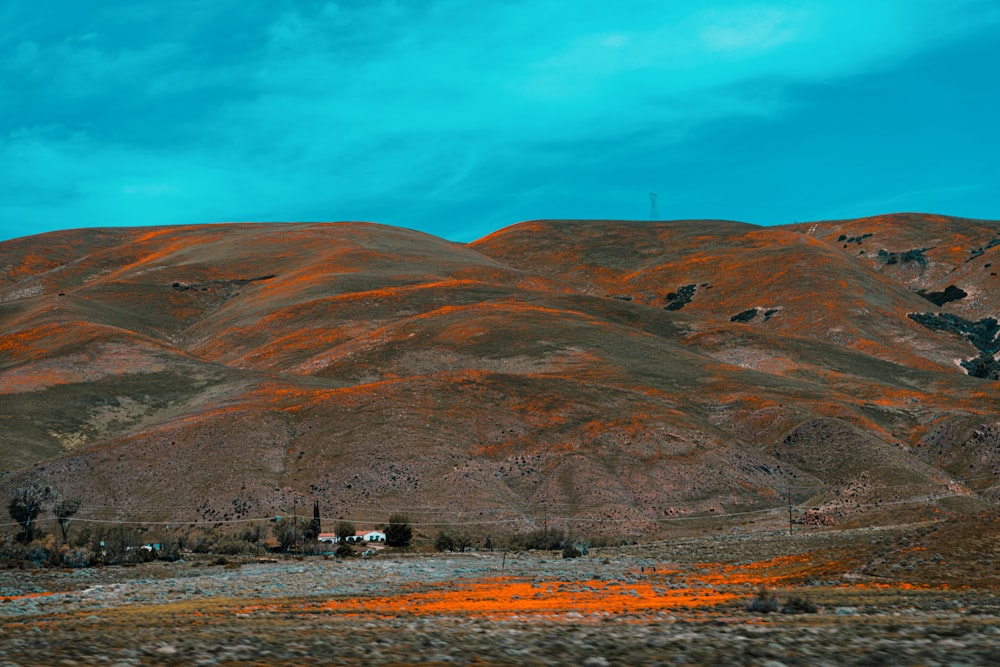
(458, 117)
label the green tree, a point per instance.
(290, 530)
(344, 530)
(398, 533)
(455, 539)
(121, 545)
(252, 533)
(315, 527)
(65, 510)
(444, 541)
(26, 504)
(463, 540)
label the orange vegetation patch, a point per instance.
(765, 573)
(27, 343)
(503, 596)
(785, 571)
(8, 598)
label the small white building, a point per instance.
(358, 537)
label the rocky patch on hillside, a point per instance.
(983, 334)
(680, 298)
(947, 295)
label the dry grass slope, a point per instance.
(608, 376)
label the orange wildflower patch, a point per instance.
(784, 571)
(26, 343)
(8, 598)
(768, 573)
(502, 597)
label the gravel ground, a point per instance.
(325, 611)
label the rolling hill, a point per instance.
(603, 376)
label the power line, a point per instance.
(525, 518)
(547, 518)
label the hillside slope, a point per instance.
(615, 377)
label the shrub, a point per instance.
(398, 533)
(41, 555)
(764, 602)
(201, 541)
(453, 540)
(598, 541)
(75, 557)
(290, 532)
(313, 548)
(571, 552)
(540, 539)
(797, 605)
(253, 533)
(12, 554)
(344, 551)
(170, 550)
(237, 547)
(84, 537)
(444, 541)
(123, 544)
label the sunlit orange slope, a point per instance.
(624, 376)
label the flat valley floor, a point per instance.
(879, 598)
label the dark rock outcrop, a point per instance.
(949, 294)
(680, 298)
(984, 336)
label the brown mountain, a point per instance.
(611, 377)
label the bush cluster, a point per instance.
(398, 533)
(571, 552)
(766, 602)
(124, 544)
(237, 547)
(455, 539)
(546, 540)
(458, 539)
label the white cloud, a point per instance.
(615, 41)
(750, 30)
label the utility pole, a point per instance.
(789, 488)
(654, 210)
(545, 525)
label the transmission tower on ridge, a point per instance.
(654, 210)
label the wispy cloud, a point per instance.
(441, 114)
(751, 31)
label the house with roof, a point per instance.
(358, 537)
